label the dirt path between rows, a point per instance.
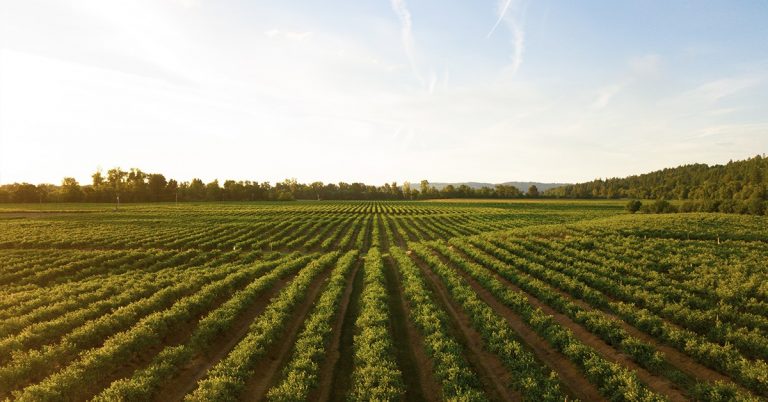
(675, 357)
(655, 382)
(398, 237)
(186, 380)
(383, 238)
(177, 336)
(346, 226)
(570, 375)
(334, 348)
(412, 359)
(267, 371)
(491, 371)
(335, 387)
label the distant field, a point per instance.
(441, 300)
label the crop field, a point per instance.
(360, 301)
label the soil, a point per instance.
(177, 336)
(335, 387)
(570, 375)
(383, 239)
(268, 370)
(326, 375)
(489, 368)
(398, 237)
(654, 382)
(412, 359)
(186, 380)
(679, 360)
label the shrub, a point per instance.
(634, 206)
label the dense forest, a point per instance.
(736, 187)
(135, 185)
(740, 180)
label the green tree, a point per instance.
(98, 179)
(156, 183)
(317, 188)
(424, 188)
(70, 190)
(196, 190)
(533, 191)
(407, 190)
(116, 178)
(756, 206)
(213, 191)
(25, 192)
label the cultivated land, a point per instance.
(533, 300)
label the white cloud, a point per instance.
(406, 36)
(719, 89)
(605, 95)
(264, 95)
(512, 13)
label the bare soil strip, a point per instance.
(267, 371)
(367, 240)
(186, 380)
(398, 237)
(383, 238)
(488, 366)
(335, 388)
(349, 225)
(334, 348)
(570, 375)
(179, 335)
(416, 366)
(676, 358)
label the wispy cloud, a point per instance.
(502, 12)
(605, 95)
(287, 35)
(640, 68)
(426, 77)
(406, 34)
(716, 90)
(512, 13)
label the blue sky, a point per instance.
(379, 91)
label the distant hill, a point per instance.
(521, 185)
(739, 180)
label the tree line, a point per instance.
(135, 185)
(736, 187)
(740, 180)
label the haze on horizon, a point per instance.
(376, 91)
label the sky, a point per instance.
(379, 90)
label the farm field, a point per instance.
(373, 300)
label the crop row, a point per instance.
(458, 381)
(228, 378)
(75, 378)
(145, 382)
(300, 375)
(597, 322)
(752, 374)
(529, 377)
(376, 375)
